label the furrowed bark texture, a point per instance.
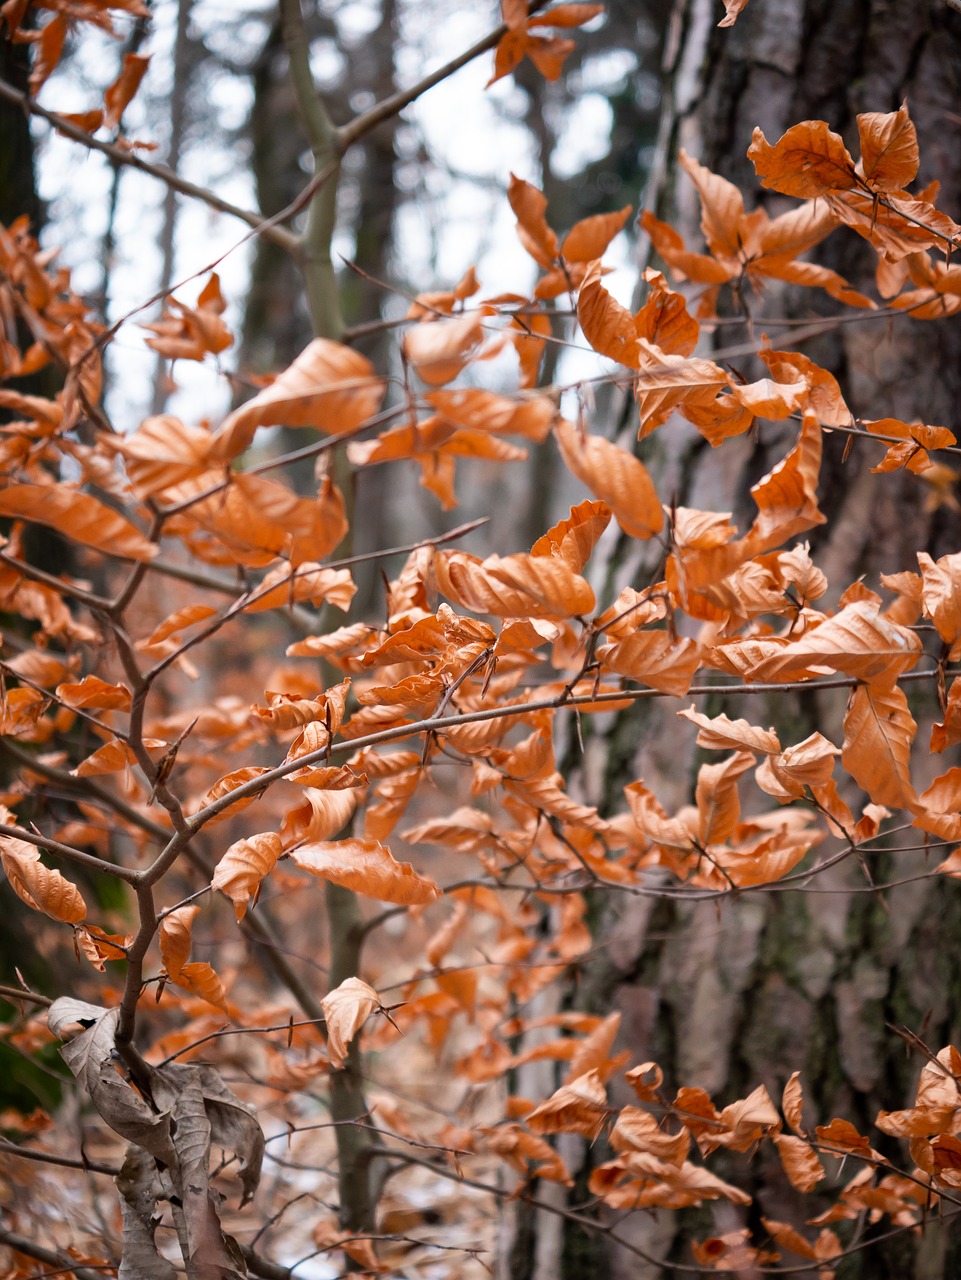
(729, 995)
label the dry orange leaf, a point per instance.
(346, 1009)
(878, 733)
(801, 1164)
(513, 586)
(367, 867)
(722, 209)
(718, 733)
(948, 732)
(48, 49)
(244, 867)
(808, 161)
(38, 886)
(162, 453)
(771, 400)
(79, 517)
(859, 640)
(594, 1052)
(684, 264)
(530, 417)
(566, 15)
(192, 333)
(607, 326)
(577, 1107)
(176, 928)
(646, 1080)
(808, 764)
(763, 863)
(674, 833)
(118, 96)
(615, 476)
(96, 693)
(112, 757)
(841, 1135)
(530, 206)
(589, 238)
(573, 538)
(941, 597)
(439, 349)
(664, 320)
(638, 1130)
(889, 149)
(308, 581)
(328, 387)
(792, 1101)
(654, 658)
(200, 979)
(788, 1238)
(718, 804)
(320, 815)
(731, 10)
(667, 382)
(223, 787)
(178, 621)
(530, 1156)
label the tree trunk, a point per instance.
(732, 996)
(18, 191)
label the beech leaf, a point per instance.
(367, 867)
(889, 149)
(878, 733)
(328, 387)
(801, 1164)
(243, 868)
(40, 887)
(175, 932)
(807, 161)
(615, 476)
(346, 1009)
(79, 517)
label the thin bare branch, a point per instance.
(119, 156)
(67, 852)
(65, 1265)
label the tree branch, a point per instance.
(323, 296)
(64, 1264)
(16, 994)
(67, 852)
(118, 156)
(88, 789)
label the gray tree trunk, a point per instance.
(728, 998)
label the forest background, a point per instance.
(487, 1121)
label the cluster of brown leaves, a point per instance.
(522, 38)
(49, 38)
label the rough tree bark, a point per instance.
(789, 981)
(727, 997)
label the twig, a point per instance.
(62, 1261)
(68, 852)
(16, 994)
(65, 1162)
